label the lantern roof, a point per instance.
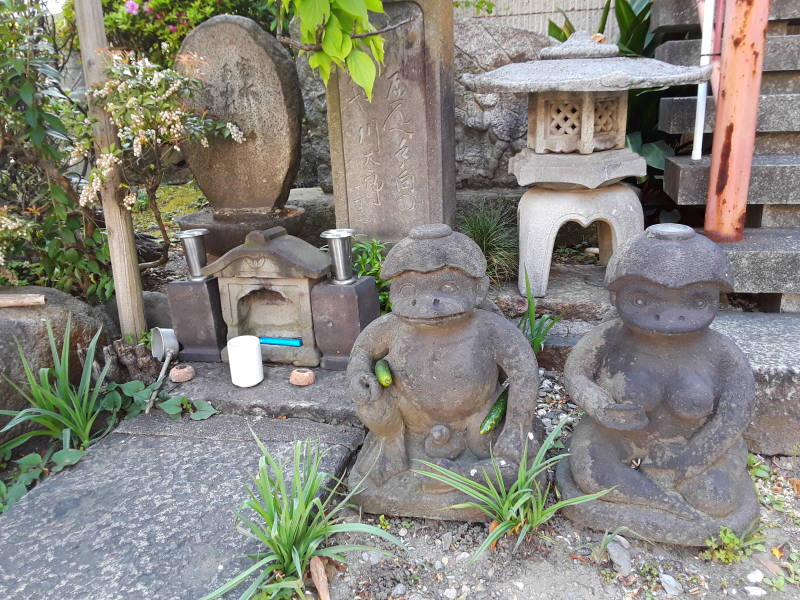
(582, 64)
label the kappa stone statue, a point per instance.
(448, 355)
(666, 399)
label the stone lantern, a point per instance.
(576, 156)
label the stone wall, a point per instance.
(489, 128)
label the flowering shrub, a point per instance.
(151, 107)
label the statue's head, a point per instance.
(436, 275)
(668, 280)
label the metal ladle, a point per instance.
(164, 346)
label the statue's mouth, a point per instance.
(434, 319)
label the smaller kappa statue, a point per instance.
(666, 399)
(447, 357)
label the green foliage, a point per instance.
(292, 521)
(338, 33)
(368, 257)
(789, 562)
(654, 153)
(156, 28)
(493, 230)
(45, 237)
(599, 554)
(730, 548)
(130, 398)
(60, 409)
(480, 6)
(520, 508)
(536, 329)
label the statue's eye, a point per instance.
(639, 301)
(407, 289)
(449, 287)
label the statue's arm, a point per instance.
(733, 413)
(581, 370)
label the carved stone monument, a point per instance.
(251, 81)
(393, 158)
(666, 399)
(447, 358)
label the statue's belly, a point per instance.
(444, 384)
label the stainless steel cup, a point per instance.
(340, 242)
(194, 249)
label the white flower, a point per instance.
(129, 200)
(236, 133)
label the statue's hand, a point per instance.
(625, 416)
(365, 389)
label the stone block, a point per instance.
(780, 216)
(393, 158)
(776, 113)
(154, 489)
(682, 15)
(576, 170)
(250, 80)
(616, 209)
(767, 260)
(774, 179)
(197, 319)
(782, 53)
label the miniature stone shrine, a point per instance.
(343, 305)
(447, 359)
(666, 399)
(265, 287)
(576, 154)
(251, 81)
(393, 158)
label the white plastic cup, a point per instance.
(244, 358)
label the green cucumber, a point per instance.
(495, 414)
(383, 373)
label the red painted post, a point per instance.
(743, 43)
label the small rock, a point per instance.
(623, 542)
(519, 585)
(755, 576)
(621, 558)
(670, 585)
(399, 591)
(181, 373)
(447, 539)
(302, 377)
(450, 593)
(463, 556)
(754, 591)
(445, 560)
(438, 565)
(402, 532)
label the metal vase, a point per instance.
(194, 249)
(340, 242)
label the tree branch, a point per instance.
(356, 36)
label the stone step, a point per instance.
(681, 15)
(775, 179)
(776, 113)
(782, 53)
(148, 512)
(766, 261)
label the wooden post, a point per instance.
(737, 114)
(119, 227)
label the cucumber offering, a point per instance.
(383, 373)
(495, 414)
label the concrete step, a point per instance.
(776, 113)
(769, 340)
(681, 15)
(766, 261)
(775, 179)
(782, 53)
(148, 512)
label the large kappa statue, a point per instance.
(447, 357)
(666, 399)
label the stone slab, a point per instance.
(767, 260)
(327, 401)
(776, 113)
(251, 81)
(680, 15)
(780, 216)
(555, 170)
(782, 53)
(393, 159)
(148, 513)
(774, 179)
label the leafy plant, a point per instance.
(730, 548)
(30, 469)
(292, 521)
(562, 32)
(536, 329)
(520, 508)
(337, 33)
(789, 561)
(599, 553)
(62, 410)
(368, 257)
(480, 6)
(654, 153)
(493, 230)
(131, 398)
